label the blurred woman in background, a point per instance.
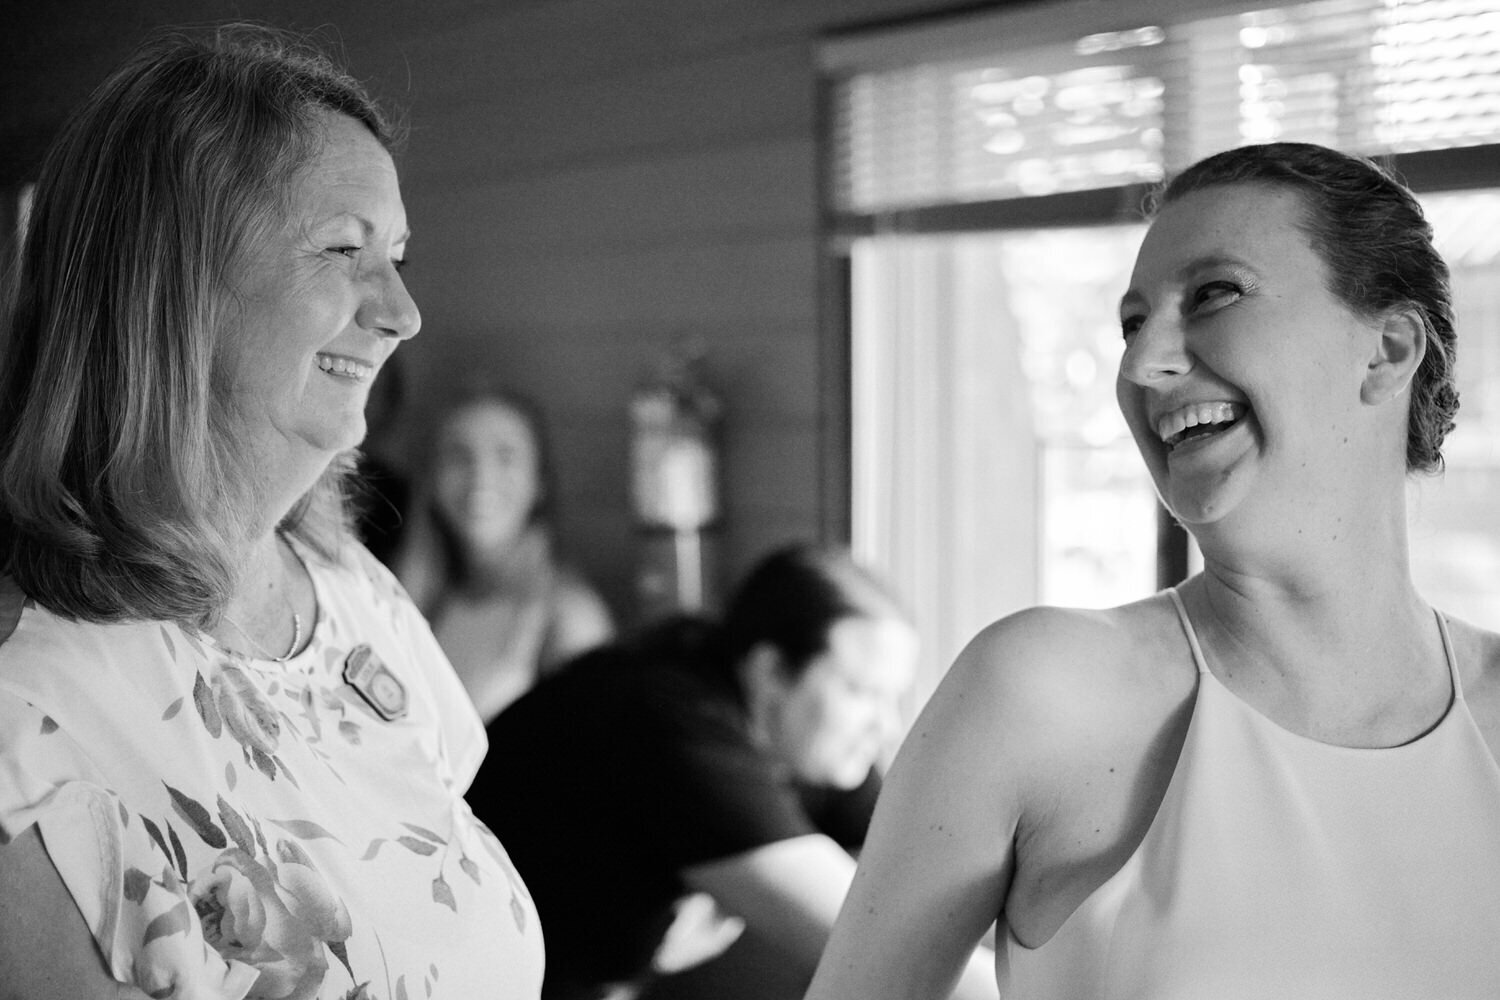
(477, 556)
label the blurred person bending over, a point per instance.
(662, 793)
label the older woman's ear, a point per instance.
(1398, 354)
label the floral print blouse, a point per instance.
(232, 827)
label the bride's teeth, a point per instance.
(1171, 425)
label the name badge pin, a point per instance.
(373, 680)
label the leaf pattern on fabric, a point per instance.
(416, 846)
(203, 698)
(517, 887)
(174, 921)
(197, 644)
(281, 766)
(442, 892)
(304, 829)
(247, 714)
(178, 854)
(235, 825)
(155, 833)
(197, 817)
(260, 836)
(518, 914)
(425, 833)
(314, 720)
(341, 952)
(261, 761)
(283, 897)
(136, 884)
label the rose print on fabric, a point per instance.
(276, 917)
(258, 885)
(262, 905)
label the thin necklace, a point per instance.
(296, 634)
(291, 650)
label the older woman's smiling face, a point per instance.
(321, 304)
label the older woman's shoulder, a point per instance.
(356, 560)
(12, 603)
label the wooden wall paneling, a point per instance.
(667, 291)
(487, 129)
(749, 187)
(577, 38)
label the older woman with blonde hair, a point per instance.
(231, 753)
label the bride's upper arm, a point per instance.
(940, 857)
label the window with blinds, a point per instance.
(1086, 94)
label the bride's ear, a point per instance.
(1398, 354)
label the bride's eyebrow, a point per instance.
(1208, 262)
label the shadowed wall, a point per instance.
(586, 180)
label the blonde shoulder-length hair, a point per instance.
(121, 484)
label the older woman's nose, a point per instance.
(389, 309)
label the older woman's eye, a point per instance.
(346, 251)
(1130, 324)
(400, 265)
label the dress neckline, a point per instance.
(1207, 676)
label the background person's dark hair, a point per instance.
(122, 492)
(1370, 231)
(790, 599)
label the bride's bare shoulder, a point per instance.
(1064, 649)
(1051, 680)
(1477, 653)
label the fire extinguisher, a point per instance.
(675, 475)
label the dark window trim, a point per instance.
(1456, 169)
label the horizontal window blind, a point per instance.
(1085, 94)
